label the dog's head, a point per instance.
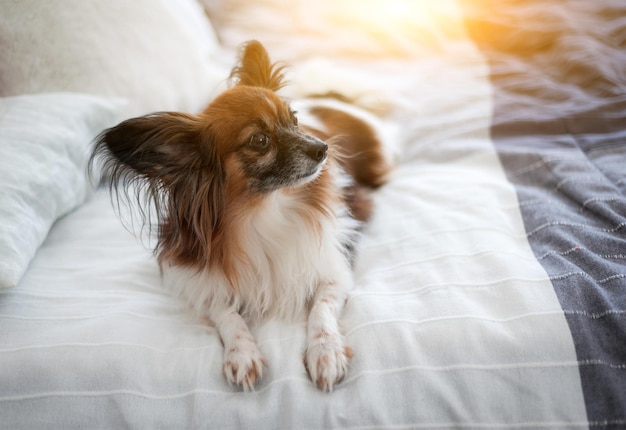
(257, 133)
(248, 133)
(245, 143)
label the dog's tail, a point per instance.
(362, 143)
(359, 142)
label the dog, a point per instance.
(258, 209)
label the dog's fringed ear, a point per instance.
(255, 68)
(170, 160)
(155, 146)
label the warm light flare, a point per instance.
(395, 26)
(354, 27)
(387, 13)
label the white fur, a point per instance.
(292, 265)
(288, 260)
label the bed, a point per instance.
(490, 284)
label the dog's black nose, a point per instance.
(316, 150)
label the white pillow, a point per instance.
(44, 148)
(158, 54)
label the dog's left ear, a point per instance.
(255, 68)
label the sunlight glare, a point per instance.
(400, 12)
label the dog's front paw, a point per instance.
(243, 364)
(326, 360)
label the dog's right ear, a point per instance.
(156, 146)
(171, 159)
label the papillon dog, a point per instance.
(258, 209)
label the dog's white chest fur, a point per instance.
(288, 250)
(287, 256)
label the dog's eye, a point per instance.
(259, 141)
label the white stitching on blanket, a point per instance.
(595, 315)
(581, 248)
(493, 425)
(444, 285)
(598, 199)
(540, 202)
(538, 164)
(452, 318)
(450, 255)
(113, 344)
(175, 396)
(204, 347)
(504, 231)
(454, 209)
(105, 315)
(586, 275)
(602, 363)
(566, 180)
(583, 226)
(485, 367)
(562, 253)
(488, 252)
(558, 312)
(585, 178)
(418, 237)
(555, 204)
(481, 284)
